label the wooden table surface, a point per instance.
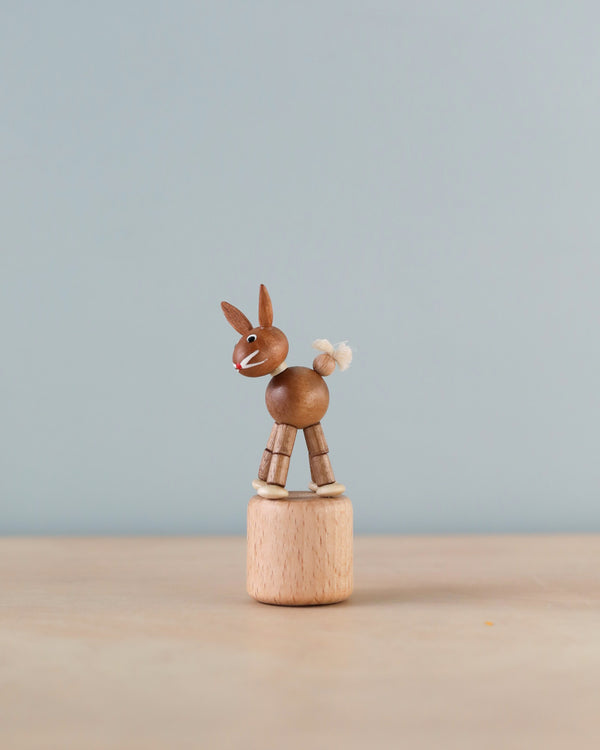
(455, 642)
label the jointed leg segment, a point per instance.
(273, 469)
(323, 478)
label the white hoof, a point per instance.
(331, 490)
(272, 492)
(256, 483)
(312, 486)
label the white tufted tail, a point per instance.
(340, 354)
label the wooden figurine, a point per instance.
(297, 398)
(299, 543)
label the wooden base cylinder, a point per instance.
(300, 549)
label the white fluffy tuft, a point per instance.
(324, 346)
(341, 352)
(343, 355)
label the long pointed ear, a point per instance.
(265, 308)
(236, 318)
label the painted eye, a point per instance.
(251, 338)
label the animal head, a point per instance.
(261, 349)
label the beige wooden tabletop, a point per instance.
(454, 642)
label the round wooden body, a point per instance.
(300, 549)
(298, 396)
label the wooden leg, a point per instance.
(272, 436)
(315, 440)
(265, 462)
(281, 444)
(320, 470)
(283, 441)
(320, 465)
(278, 470)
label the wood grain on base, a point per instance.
(299, 549)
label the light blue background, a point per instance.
(421, 179)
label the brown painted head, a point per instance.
(261, 349)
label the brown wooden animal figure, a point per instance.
(297, 398)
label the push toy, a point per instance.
(299, 545)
